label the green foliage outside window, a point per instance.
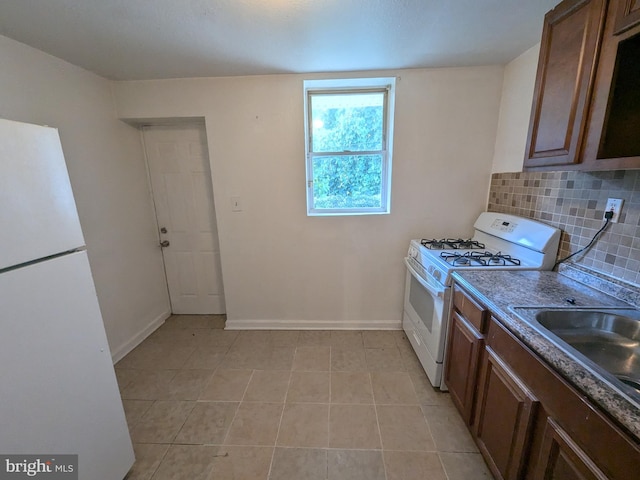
(347, 124)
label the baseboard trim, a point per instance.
(151, 327)
(313, 325)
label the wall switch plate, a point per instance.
(614, 205)
(236, 206)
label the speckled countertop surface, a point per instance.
(500, 291)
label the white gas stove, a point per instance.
(500, 241)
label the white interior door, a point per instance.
(183, 195)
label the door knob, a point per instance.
(164, 243)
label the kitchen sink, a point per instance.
(609, 338)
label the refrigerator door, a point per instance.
(58, 390)
(37, 210)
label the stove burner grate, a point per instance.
(484, 259)
(451, 244)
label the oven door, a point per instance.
(426, 304)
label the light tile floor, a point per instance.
(203, 403)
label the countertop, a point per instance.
(501, 290)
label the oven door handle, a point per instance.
(430, 286)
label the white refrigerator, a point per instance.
(58, 390)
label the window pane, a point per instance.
(347, 181)
(347, 122)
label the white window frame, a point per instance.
(352, 85)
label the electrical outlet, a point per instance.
(614, 205)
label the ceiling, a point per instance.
(151, 39)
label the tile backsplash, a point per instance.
(575, 203)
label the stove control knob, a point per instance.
(431, 269)
(437, 275)
(413, 253)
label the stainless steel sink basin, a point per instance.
(609, 338)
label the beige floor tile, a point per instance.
(188, 384)
(304, 425)
(253, 337)
(246, 357)
(162, 422)
(268, 386)
(413, 466)
(348, 360)
(410, 362)
(355, 465)
(241, 463)
(284, 338)
(353, 426)
(226, 385)
(312, 359)
(135, 409)
(351, 387)
(216, 338)
(124, 376)
(427, 393)
(299, 464)
(379, 339)
(309, 387)
(148, 458)
(277, 358)
(346, 339)
(465, 466)
(393, 388)
(404, 428)
(206, 358)
(191, 321)
(174, 336)
(385, 359)
(315, 338)
(207, 423)
(182, 462)
(157, 356)
(148, 384)
(255, 424)
(448, 429)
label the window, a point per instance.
(348, 138)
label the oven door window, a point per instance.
(422, 303)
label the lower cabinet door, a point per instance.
(505, 414)
(464, 346)
(561, 459)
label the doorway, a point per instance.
(179, 170)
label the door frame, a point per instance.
(174, 122)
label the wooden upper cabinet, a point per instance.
(613, 136)
(568, 54)
(628, 15)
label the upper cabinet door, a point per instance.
(568, 53)
(613, 140)
(628, 15)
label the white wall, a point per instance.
(106, 167)
(515, 111)
(282, 268)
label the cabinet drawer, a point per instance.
(473, 312)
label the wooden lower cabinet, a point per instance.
(465, 344)
(506, 410)
(465, 341)
(528, 422)
(562, 459)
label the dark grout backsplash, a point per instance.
(575, 203)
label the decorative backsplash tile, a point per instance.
(575, 203)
